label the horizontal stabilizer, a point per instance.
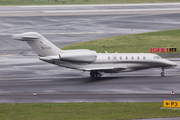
(24, 37)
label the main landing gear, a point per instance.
(162, 73)
(95, 74)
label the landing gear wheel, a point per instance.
(98, 75)
(162, 74)
(92, 74)
(95, 74)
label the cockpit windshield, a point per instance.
(157, 57)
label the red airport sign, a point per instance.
(163, 49)
(159, 49)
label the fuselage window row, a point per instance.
(132, 57)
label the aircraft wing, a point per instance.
(104, 68)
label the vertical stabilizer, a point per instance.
(39, 44)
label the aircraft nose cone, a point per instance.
(169, 63)
(173, 64)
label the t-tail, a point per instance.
(39, 44)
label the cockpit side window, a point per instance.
(157, 57)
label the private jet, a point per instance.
(89, 60)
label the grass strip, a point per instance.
(134, 43)
(84, 111)
(66, 2)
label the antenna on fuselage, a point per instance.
(106, 52)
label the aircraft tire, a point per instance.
(98, 75)
(162, 74)
(93, 75)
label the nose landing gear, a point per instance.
(162, 73)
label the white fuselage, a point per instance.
(128, 61)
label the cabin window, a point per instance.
(109, 58)
(114, 58)
(126, 57)
(144, 57)
(138, 57)
(120, 58)
(132, 57)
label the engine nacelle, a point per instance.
(82, 56)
